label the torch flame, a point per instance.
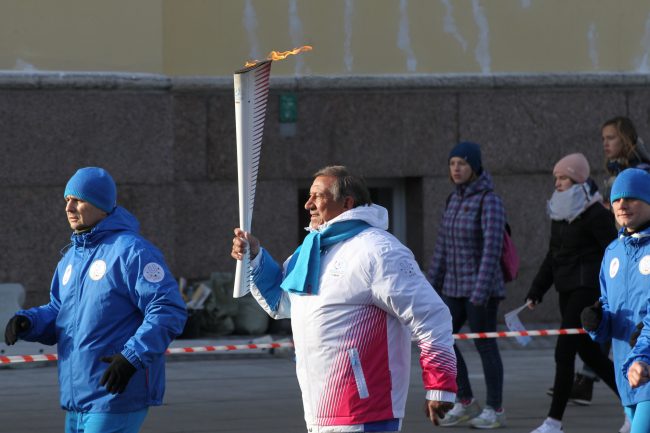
(280, 55)
(275, 55)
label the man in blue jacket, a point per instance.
(114, 308)
(624, 282)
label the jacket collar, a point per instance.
(118, 220)
(482, 183)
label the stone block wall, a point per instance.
(170, 145)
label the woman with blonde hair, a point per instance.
(623, 149)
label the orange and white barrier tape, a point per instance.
(16, 359)
(537, 333)
(226, 348)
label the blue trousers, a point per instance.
(84, 422)
(639, 414)
(479, 319)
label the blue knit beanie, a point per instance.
(94, 185)
(470, 152)
(631, 183)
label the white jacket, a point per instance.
(353, 338)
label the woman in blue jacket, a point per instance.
(624, 282)
(114, 308)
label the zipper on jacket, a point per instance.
(75, 322)
(73, 339)
(628, 262)
(357, 370)
(453, 231)
(147, 385)
(305, 362)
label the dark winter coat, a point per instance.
(575, 252)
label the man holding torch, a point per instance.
(355, 295)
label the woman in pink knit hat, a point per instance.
(581, 228)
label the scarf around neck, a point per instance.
(303, 270)
(570, 204)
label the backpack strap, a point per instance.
(480, 206)
(507, 227)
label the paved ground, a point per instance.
(259, 393)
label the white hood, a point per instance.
(375, 215)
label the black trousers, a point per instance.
(571, 305)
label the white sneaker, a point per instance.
(626, 427)
(489, 419)
(460, 413)
(547, 427)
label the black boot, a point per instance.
(582, 390)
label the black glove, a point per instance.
(591, 316)
(118, 373)
(533, 296)
(15, 326)
(635, 334)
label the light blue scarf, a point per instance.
(303, 270)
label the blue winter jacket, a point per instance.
(624, 283)
(111, 293)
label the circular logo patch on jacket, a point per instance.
(66, 275)
(337, 269)
(644, 265)
(407, 268)
(97, 270)
(613, 267)
(153, 272)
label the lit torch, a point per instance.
(251, 95)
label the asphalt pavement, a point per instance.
(257, 391)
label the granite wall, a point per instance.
(170, 145)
